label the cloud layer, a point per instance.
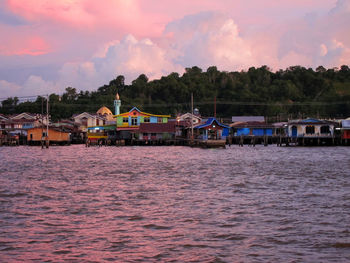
(85, 44)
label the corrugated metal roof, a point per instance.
(310, 121)
(248, 118)
(251, 124)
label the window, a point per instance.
(153, 134)
(145, 134)
(84, 121)
(125, 120)
(147, 119)
(160, 120)
(134, 121)
(310, 129)
(325, 130)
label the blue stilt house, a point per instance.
(212, 129)
(252, 128)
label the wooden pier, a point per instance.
(283, 140)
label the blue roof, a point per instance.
(210, 122)
(310, 120)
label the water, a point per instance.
(174, 204)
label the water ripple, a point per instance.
(174, 204)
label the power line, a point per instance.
(23, 98)
(238, 103)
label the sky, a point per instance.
(47, 46)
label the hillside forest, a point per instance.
(295, 92)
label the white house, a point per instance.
(188, 117)
(86, 120)
(311, 128)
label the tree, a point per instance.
(70, 94)
(320, 69)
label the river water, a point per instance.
(174, 204)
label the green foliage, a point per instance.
(296, 91)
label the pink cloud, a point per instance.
(208, 39)
(129, 57)
(25, 45)
(90, 42)
(67, 11)
(90, 16)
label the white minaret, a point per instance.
(117, 104)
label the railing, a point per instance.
(315, 135)
(97, 134)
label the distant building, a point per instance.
(196, 119)
(311, 128)
(76, 136)
(56, 136)
(29, 116)
(3, 117)
(122, 126)
(254, 128)
(106, 113)
(156, 131)
(345, 129)
(212, 129)
(133, 118)
(17, 125)
(86, 120)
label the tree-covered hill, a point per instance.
(294, 92)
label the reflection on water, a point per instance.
(179, 204)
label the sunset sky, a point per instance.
(47, 46)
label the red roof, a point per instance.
(157, 127)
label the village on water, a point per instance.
(136, 127)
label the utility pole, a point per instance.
(47, 122)
(42, 122)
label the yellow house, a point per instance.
(133, 118)
(36, 135)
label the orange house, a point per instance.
(35, 135)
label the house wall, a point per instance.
(158, 136)
(254, 131)
(262, 131)
(346, 134)
(140, 119)
(53, 135)
(211, 132)
(301, 129)
(28, 125)
(187, 117)
(119, 121)
(243, 131)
